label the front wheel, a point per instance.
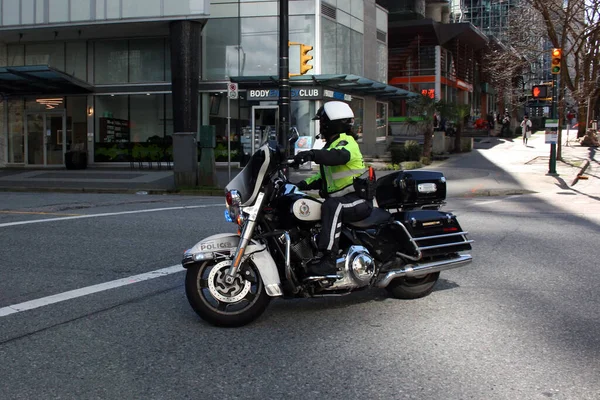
(223, 304)
(413, 288)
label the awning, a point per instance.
(349, 84)
(39, 80)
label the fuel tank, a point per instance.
(307, 209)
(298, 206)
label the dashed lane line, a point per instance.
(39, 221)
(73, 294)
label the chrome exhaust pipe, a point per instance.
(424, 269)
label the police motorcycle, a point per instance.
(402, 246)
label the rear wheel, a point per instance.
(223, 304)
(413, 288)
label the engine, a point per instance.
(357, 269)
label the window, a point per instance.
(260, 46)
(147, 60)
(382, 119)
(382, 62)
(222, 50)
(328, 46)
(133, 61)
(341, 49)
(77, 60)
(16, 141)
(138, 126)
(51, 54)
(110, 61)
(357, 105)
(147, 117)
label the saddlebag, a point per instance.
(433, 233)
(410, 189)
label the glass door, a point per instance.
(265, 125)
(35, 139)
(45, 139)
(55, 139)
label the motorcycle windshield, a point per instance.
(249, 180)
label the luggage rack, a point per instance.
(421, 248)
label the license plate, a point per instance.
(427, 187)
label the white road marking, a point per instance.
(57, 298)
(37, 221)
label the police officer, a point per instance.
(340, 162)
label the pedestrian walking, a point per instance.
(526, 128)
(506, 124)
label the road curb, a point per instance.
(21, 189)
(497, 192)
(81, 190)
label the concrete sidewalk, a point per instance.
(529, 165)
(496, 166)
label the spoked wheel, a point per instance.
(223, 304)
(413, 288)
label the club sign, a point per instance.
(304, 93)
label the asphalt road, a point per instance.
(520, 323)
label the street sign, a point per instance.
(232, 90)
(551, 137)
(551, 123)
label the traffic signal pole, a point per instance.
(284, 76)
(555, 70)
(552, 164)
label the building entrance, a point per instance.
(45, 138)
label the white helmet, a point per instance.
(334, 110)
(335, 117)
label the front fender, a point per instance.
(225, 244)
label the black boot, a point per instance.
(323, 265)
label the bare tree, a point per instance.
(573, 26)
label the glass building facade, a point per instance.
(120, 50)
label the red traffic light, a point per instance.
(539, 92)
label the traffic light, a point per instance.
(539, 92)
(305, 58)
(556, 61)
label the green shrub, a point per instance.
(425, 160)
(413, 150)
(410, 151)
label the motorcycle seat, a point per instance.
(378, 216)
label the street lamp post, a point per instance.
(284, 78)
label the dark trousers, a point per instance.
(335, 211)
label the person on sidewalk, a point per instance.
(526, 129)
(506, 124)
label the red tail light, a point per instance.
(228, 199)
(451, 229)
(371, 174)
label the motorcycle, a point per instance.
(402, 246)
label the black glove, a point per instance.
(302, 185)
(304, 156)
